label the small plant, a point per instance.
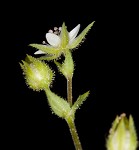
(39, 76)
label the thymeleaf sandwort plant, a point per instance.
(39, 76)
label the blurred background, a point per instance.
(106, 63)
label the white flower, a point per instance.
(60, 40)
(54, 40)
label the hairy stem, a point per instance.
(69, 90)
(74, 134)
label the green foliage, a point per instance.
(58, 105)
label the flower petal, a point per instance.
(39, 52)
(53, 39)
(73, 33)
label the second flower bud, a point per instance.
(37, 73)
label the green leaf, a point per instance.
(82, 35)
(79, 102)
(58, 105)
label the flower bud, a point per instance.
(38, 75)
(122, 135)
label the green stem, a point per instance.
(74, 134)
(69, 90)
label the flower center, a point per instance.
(56, 30)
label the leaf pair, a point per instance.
(61, 107)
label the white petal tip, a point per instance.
(73, 33)
(39, 52)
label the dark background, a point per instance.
(106, 63)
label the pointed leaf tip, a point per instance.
(80, 101)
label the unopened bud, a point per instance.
(122, 135)
(38, 75)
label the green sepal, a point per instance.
(64, 36)
(49, 57)
(81, 36)
(67, 67)
(121, 133)
(59, 66)
(59, 106)
(132, 130)
(46, 48)
(115, 123)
